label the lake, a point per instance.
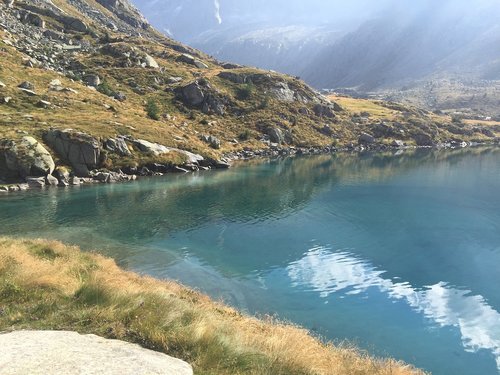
(398, 253)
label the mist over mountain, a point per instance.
(390, 46)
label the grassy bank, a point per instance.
(47, 285)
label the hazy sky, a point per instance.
(185, 19)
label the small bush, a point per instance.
(245, 91)
(244, 135)
(264, 103)
(153, 110)
(106, 89)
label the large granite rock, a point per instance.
(157, 149)
(200, 94)
(366, 139)
(150, 62)
(27, 157)
(118, 146)
(424, 140)
(276, 135)
(323, 110)
(80, 150)
(60, 352)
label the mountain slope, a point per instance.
(402, 46)
(89, 88)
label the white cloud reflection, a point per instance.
(329, 273)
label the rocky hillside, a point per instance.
(89, 91)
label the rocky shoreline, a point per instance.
(82, 160)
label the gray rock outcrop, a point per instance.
(214, 142)
(188, 59)
(276, 135)
(80, 150)
(423, 139)
(27, 157)
(200, 94)
(60, 352)
(366, 139)
(118, 146)
(322, 110)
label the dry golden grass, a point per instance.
(47, 285)
(358, 106)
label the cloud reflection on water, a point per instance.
(342, 272)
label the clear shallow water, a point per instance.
(397, 253)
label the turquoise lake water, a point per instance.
(398, 253)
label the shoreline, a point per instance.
(47, 285)
(100, 176)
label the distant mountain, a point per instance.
(394, 48)
(440, 40)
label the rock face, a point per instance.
(150, 62)
(80, 150)
(276, 135)
(200, 94)
(28, 158)
(322, 110)
(118, 146)
(59, 352)
(157, 149)
(126, 12)
(366, 139)
(423, 140)
(150, 147)
(188, 59)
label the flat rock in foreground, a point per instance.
(60, 352)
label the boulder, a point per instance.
(423, 139)
(51, 180)
(120, 96)
(283, 92)
(397, 143)
(118, 146)
(62, 175)
(365, 139)
(30, 18)
(192, 94)
(75, 181)
(36, 182)
(150, 147)
(200, 64)
(233, 77)
(214, 142)
(201, 94)
(26, 85)
(150, 62)
(2, 85)
(92, 80)
(322, 110)
(43, 104)
(62, 352)
(28, 157)
(231, 66)
(189, 59)
(173, 80)
(80, 150)
(28, 92)
(276, 135)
